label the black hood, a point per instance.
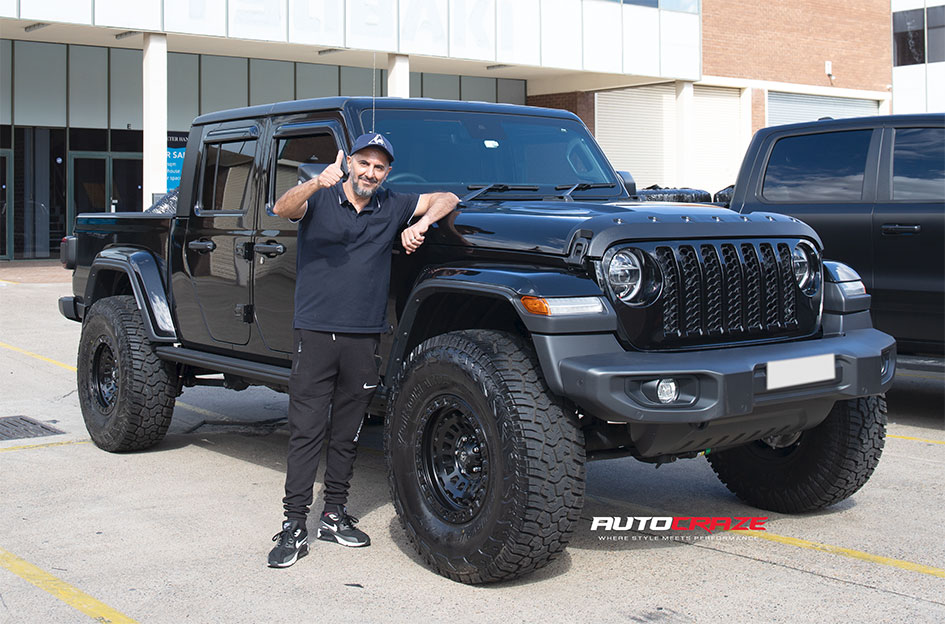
(550, 227)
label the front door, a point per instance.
(908, 234)
(6, 204)
(217, 244)
(274, 244)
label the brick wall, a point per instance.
(758, 103)
(789, 40)
(578, 102)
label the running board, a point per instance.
(265, 373)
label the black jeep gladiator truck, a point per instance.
(547, 321)
(874, 190)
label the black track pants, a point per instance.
(333, 379)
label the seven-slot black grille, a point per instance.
(720, 292)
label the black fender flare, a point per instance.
(144, 275)
(510, 284)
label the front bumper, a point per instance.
(723, 383)
(69, 308)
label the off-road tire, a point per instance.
(826, 465)
(131, 409)
(531, 457)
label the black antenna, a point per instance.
(373, 86)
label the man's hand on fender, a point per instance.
(412, 237)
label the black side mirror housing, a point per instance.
(628, 182)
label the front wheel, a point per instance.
(810, 470)
(126, 392)
(485, 466)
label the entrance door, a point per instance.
(6, 204)
(88, 185)
(127, 181)
(103, 182)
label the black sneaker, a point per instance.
(292, 544)
(339, 527)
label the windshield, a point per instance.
(455, 150)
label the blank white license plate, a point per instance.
(799, 371)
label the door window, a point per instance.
(291, 152)
(919, 164)
(825, 167)
(226, 173)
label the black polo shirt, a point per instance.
(343, 261)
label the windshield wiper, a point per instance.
(581, 186)
(498, 187)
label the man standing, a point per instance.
(346, 232)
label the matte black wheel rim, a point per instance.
(104, 380)
(453, 463)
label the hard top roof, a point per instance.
(850, 123)
(356, 104)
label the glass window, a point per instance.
(919, 164)
(127, 140)
(908, 37)
(688, 6)
(39, 187)
(936, 22)
(646, 3)
(226, 175)
(294, 151)
(452, 150)
(88, 140)
(825, 167)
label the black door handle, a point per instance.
(891, 229)
(269, 249)
(201, 246)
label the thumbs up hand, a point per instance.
(332, 173)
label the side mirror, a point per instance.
(628, 182)
(310, 170)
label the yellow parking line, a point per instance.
(95, 609)
(36, 446)
(900, 437)
(37, 356)
(8, 283)
(846, 552)
(193, 408)
(915, 376)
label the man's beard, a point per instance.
(361, 191)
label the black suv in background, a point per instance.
(874, 189)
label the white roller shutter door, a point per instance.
(785, 108)
(716, 144)
(637, 130)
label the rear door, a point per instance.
(821, 178)
(909, 237)
(217, 252)
(310, 142)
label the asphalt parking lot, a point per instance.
(180, 533)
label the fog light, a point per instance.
(666, 390)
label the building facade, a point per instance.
(96, 96)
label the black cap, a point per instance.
(373, 140)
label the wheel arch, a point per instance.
(131, 271)
(457, 298)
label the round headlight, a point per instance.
(625, 275)
(803, 267)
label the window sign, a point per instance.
(176, 146)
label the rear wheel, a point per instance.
(126, 392)
(810, 470)
(486, 467)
